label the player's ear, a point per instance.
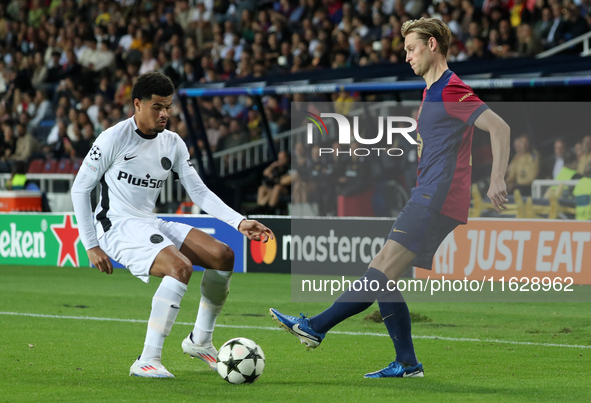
(137, 104)
(432, 43)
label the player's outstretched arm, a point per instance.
(500, 134)
(254, 230)
(100, 260)
(96, 163)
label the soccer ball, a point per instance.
(240, 360)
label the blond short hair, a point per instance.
(426, 28)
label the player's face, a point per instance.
(418, 55)
(153, 114)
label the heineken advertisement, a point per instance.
(41, 239)
(53, 239)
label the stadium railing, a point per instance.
(47, 182)
(532, 207)
(585, 38)
(249, 155)
(62, 183)
(538, 185)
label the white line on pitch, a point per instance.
(521, 343)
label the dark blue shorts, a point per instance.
(421, 230)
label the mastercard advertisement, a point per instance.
(265, 257)
(263, 252)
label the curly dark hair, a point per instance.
(152, 83)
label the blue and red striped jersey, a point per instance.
(445, 125)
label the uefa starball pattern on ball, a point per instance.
(240, 360)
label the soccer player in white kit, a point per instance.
(131, 160)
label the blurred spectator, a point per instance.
(555, 34)
(26, 144)
(123, 90)
(300, 176)
(276, 182)
(19, 176)
(149, 62)
(254, 125)
(585, 157)
(477, 50)
(456, 53)
(71, 68)
(355, 177)
(567, 172)
(524, 167)
(201, 18)
(54, 70)
(507, 41)
(62, 146)
(319, 185)
(223, 137)
(543, 26)
(176, 61)
(106, 59)
(83, 144)
(228, 70)
(557, 162)
(182, 131)
(61, 115)
(528, 44)
(7, 146)
(93, 110)
(582, 193)
(519, 13)
(43, 110)
(574, 24)
(106, 90)
(344, 103)
(213, 132)
(39, 71)
(236, 136)
(232, 107)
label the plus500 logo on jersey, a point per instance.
(144, 183)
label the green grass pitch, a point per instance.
(52, 358)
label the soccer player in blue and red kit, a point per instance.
(439, 203)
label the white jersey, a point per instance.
(131, 168)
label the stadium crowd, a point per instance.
(67, 67)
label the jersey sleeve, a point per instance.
(199, 192)
(95, 164)
(460, 102)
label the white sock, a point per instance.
(165, 308)
(214, 291)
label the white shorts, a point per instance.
(135, 242)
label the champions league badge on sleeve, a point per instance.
(95, 153)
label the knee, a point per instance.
(182, 269)
(225, 257)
